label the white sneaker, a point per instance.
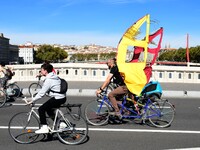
(44, 129)
(62, 125)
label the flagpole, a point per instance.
(187, 51)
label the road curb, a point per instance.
(91, 92)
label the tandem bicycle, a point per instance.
(159, 112)
(70, 128)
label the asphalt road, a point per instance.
(183, 133)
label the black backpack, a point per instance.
(63, 87)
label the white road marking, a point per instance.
(144, 130)
(135, 130)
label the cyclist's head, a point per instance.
(111, 63)
(47, 67)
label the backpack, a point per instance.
(9, 74)
(63, 87)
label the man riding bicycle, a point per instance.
(117, 78)
(52, 83)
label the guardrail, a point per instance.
(98, 72)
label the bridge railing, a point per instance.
(98, 72)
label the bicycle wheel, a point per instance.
(97, 113)
(21, 130)
(161, 113)
(34, 88)
(75, 130)
(2, 98)
(14, 90)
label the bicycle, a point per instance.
(35, 87)
(22, 125)
(10, 91)
(160, 113)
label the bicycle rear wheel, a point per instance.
(161, 113)
(34, 88)
(75, 130)
(2, 98)
(97, 112)
(21, 130)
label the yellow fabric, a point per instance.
(134, 76)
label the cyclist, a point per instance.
(117, 78)
(6, 75)
(51, 83)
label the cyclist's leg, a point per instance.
(118, 91)
(48, 107)
(54, 103)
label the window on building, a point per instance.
(67, 72)
(76, 72)
(85, 72)
(160, 75)
(199, 76)
(179, 76)
(94, 72)
(103, 73)
(189, 76)
(170, 75)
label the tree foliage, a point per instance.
(180, 55)
(50, 53)
(92, 56)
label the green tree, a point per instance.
(48, 52)
(180, 55)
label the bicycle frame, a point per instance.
(57, 113)
(133, 113)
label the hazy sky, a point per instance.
(101, 22)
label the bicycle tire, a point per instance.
(34, 88)
(21, 130)
(15, 92)
(94, 117)
(2, 98)
(161, 113)
(76, 129)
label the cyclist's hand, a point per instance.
(98, 91)
(28, 100)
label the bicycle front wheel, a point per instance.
(97, 112)
(75, 130)
(34, 88)
(2, 98)
(22, 129)
(161, 113)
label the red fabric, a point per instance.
(148, 72)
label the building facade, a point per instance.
(27, 52)
(8, 53)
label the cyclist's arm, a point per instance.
(45, 88)
(106, 82)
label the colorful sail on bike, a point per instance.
(133, 58)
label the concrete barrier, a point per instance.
(91, 92)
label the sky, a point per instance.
(100, 22)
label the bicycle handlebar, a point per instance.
(29, 104)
